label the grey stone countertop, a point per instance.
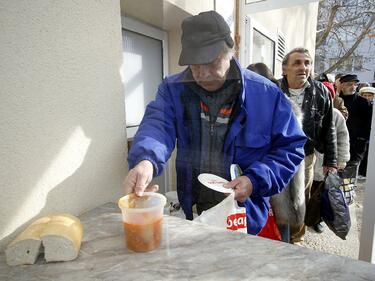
(189, 251)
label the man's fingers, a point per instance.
(242, 187)
(232, 184)
(152, 188)
(129, 182)
(139, 190)
(142, 181)
(240, 195)
(138, 178)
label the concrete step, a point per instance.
(328, 242)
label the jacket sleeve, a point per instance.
(328, 137)
(343, 154)
(339, 104)
(276, 168)
(156, 135)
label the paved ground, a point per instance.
(328, 242)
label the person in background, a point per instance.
(359, 120)
(337, 83)
(337, 101)
(367, 93)
(288, 206)
(263, 70)
(215, 112)
(361, 85)
(316, 104)
(343, 156)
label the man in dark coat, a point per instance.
(359, 120)
(317, 108)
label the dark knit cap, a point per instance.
(349, 78)
(203, 38)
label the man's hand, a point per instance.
(139, 178)
(326, 169)
(242, 187)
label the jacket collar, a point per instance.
(285, 87)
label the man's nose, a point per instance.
(202, 70)
(304, 66)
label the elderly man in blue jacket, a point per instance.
(217, 114)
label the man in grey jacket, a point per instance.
(316, 104)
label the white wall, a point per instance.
(193, 7)
(367, 237)
(62, 141)
(296, 23)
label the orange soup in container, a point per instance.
(142, 219)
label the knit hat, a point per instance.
(203, 38)
(367, 90)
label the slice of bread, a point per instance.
(60, 235)
(62, 238)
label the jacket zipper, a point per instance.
(212, 131)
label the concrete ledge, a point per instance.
(328, 242)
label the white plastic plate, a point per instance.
(214, 182)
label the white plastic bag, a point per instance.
(227, 214)
(173, 207)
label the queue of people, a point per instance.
(217, 114)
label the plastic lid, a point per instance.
(148, 202)
(214, 182)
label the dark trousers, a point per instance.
(363, 166)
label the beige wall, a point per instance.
(193, 7)
(62, 142)
(298, 25)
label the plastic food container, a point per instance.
(143, 220)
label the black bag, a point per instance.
(349, 178)
(314, 206)
(335, 211)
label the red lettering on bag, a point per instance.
(236, 221)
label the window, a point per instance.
(142, 72)
(263, 50)
(260, 45)
(143, 68)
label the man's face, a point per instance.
(297, 70)
(211, 76)
(348, 88)
(368, 96)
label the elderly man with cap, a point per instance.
(359, 121)
(217, 114)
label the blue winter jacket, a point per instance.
(264, 138)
